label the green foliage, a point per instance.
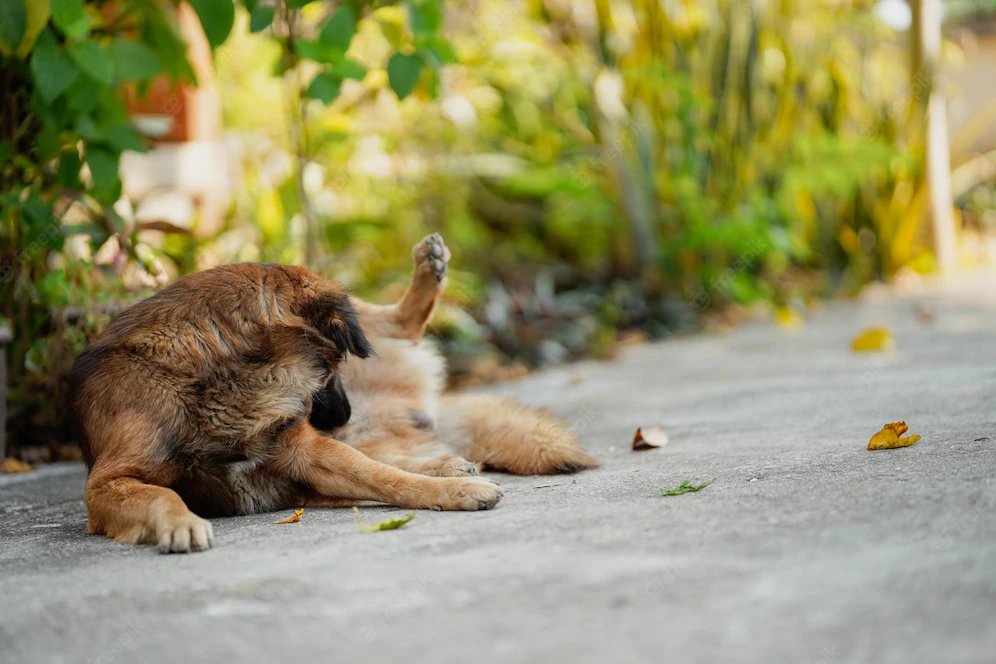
(66, 65)
(217, 18)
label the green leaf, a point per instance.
(425, 17)
(38, 15)
(387, 524)
(338, 31)
(349, 69)
(86, 128)
(217, 18)
(436, 53)
(123, 137)
(403, 72)
(104, 171)
(52, 69)
(317, 51)
(686, 487)
(260, 19)
(172, 50)
(68, 174)
(94, 60)
(81, 95)
(70, 17)
(297, 4)
(324, 86)
(13, 23)
(134, 60)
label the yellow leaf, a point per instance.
(889, 437)
(12, 465)
(787, 318)
(293, 519)
(872, 339)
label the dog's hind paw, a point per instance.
(449, 466)
(432, 256)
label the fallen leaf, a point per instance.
(923, 314)
(788, 318)
(653, 437)
(686, 487)
(293, 519)
(544, 486)
(393, 523)
(889, 437)
(874, 338)
(577, 379)
(11, 465)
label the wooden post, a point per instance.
(926, 54)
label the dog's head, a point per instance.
(340, 325)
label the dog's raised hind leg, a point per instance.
(408, 318)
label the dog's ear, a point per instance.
(347, 333)
(332, 314)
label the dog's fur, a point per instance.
(210, 399)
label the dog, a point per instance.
(229, 393)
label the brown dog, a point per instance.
(204, 400)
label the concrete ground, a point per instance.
(807, 548)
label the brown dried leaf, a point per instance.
(923, 314)
(652, 438)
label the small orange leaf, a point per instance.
(653, 437)
(293, 519)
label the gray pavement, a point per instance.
(807, 548)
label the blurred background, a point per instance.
(605, 172)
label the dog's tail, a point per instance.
(503, 435)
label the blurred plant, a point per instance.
(66, 66)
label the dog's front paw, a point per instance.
(432, 257)
(183, 534)
(468, 493)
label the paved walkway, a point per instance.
(807, 548)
